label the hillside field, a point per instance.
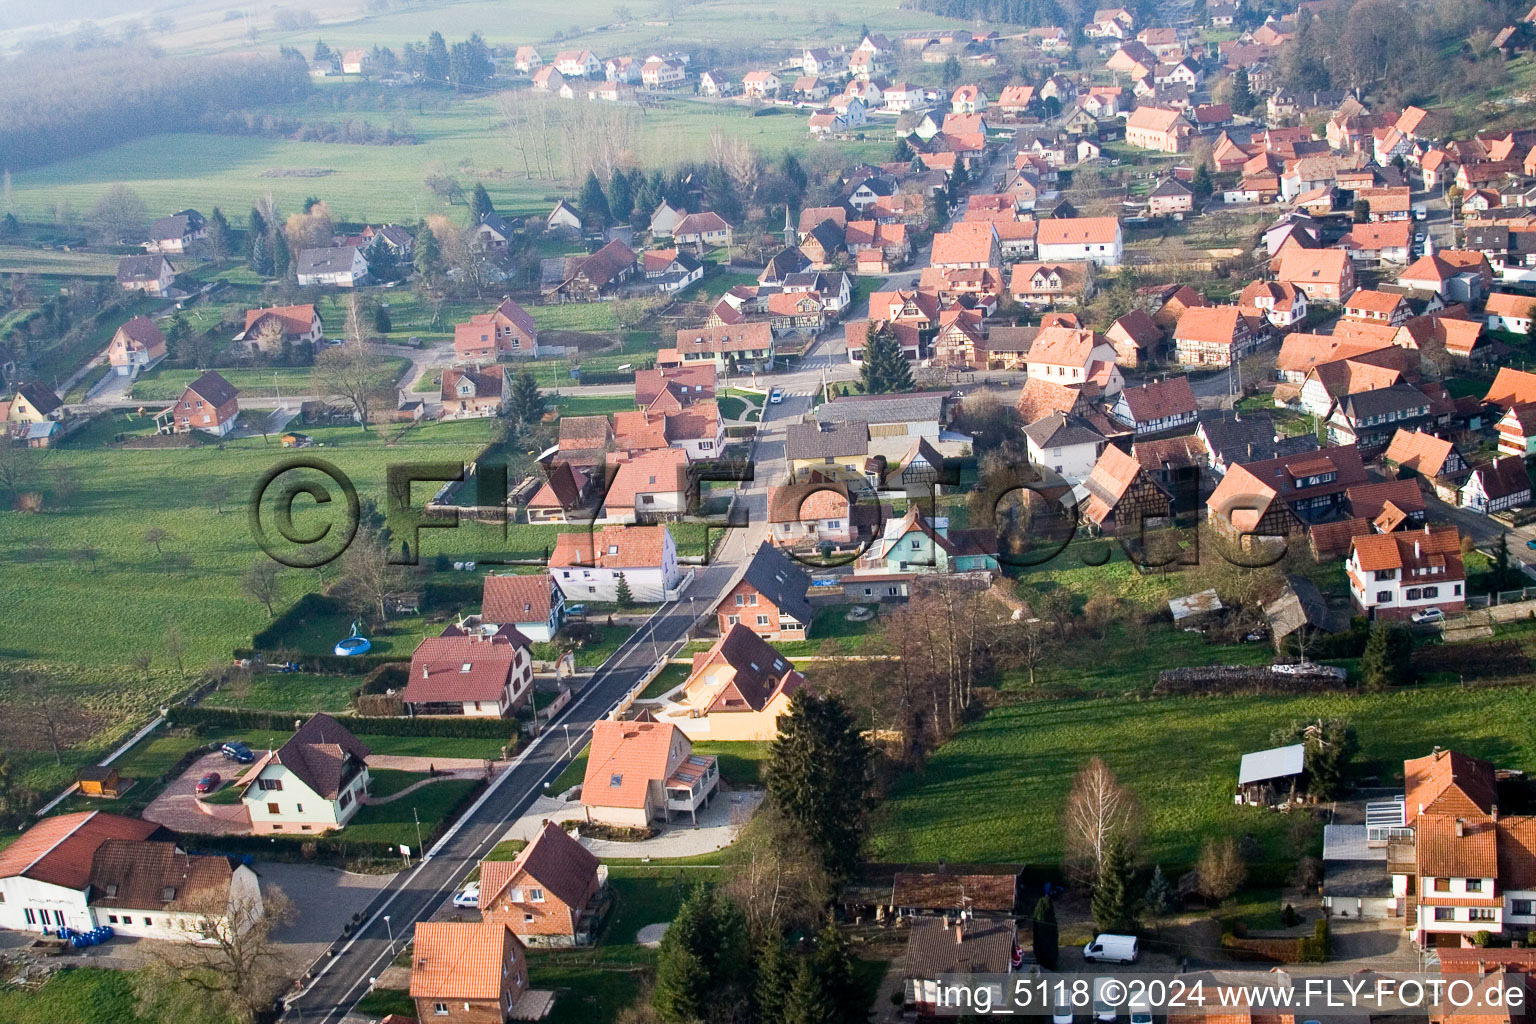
(385, 183)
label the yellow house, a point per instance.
(737, 690)
(832, 450)
(32, 403)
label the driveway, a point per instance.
(718, 823)
(179, 809)
(323, 898)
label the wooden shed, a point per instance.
(100, 780)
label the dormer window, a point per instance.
(615, 781)
(464, 667)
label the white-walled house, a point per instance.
(45, 874)
(587, 566)
(1098, 239)
(156, 890)
(342, 266)
(1471, 869)
(312, 783)
(1067, 444)
(1395, 575)
(91, 868)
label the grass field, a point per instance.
(996, 791)
(286, 691)
(373, 183)
(88, 995)
(162, 384)
(20, 259)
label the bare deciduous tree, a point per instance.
(367, 576)
(261, 583)
(1099, 811)
(236, 973)
(1221, 868)
(775, 877)
(350, 373)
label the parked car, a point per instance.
(776, 396)
(237, 752)
(1429, 615)
(1141, 1013)
(1531, 543)
(575, 609)
(1061, 1015)
(469, 896)
(1114, 948)
(209, 783)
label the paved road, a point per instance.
(415, 894)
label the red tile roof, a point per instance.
(59, 850)
(1511, 387)
(295, 319)
(514, 599)
(625, 757)
(613, 547)
(454, 960)
(558, 863)
(1160, 399)
(1422, 453)
(1078, 231)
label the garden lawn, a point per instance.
(395, 822)
(609, 639)
(996, 791)
(80, 995)
(592, 405)
(573, 773)
(286, 691)
(741, 761)
(21, 259)
(669, 678)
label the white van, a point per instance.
(1114, 948)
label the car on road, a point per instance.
(1419, 237)
(1141, 1013)
(776, 396)
(576, 609)
(209, 783)
(469, 896)
(1115, 948)
(1428, 615)
(237, 752)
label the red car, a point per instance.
(208, 783)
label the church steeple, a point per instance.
(789, 231)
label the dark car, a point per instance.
(209, 783)
(237, 752)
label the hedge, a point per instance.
(389, 676)
(451, 593)
(309, 606)
(1313, 950)
(452, 727)
(337, 850)
(748, 431)
(325, 664)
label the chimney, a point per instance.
(1416, 550)
(959, 933)
(1461, 829)
(423, 671)
(1493, 812)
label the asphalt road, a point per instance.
(415, 894)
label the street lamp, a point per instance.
(391, 935)
(566, 726)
